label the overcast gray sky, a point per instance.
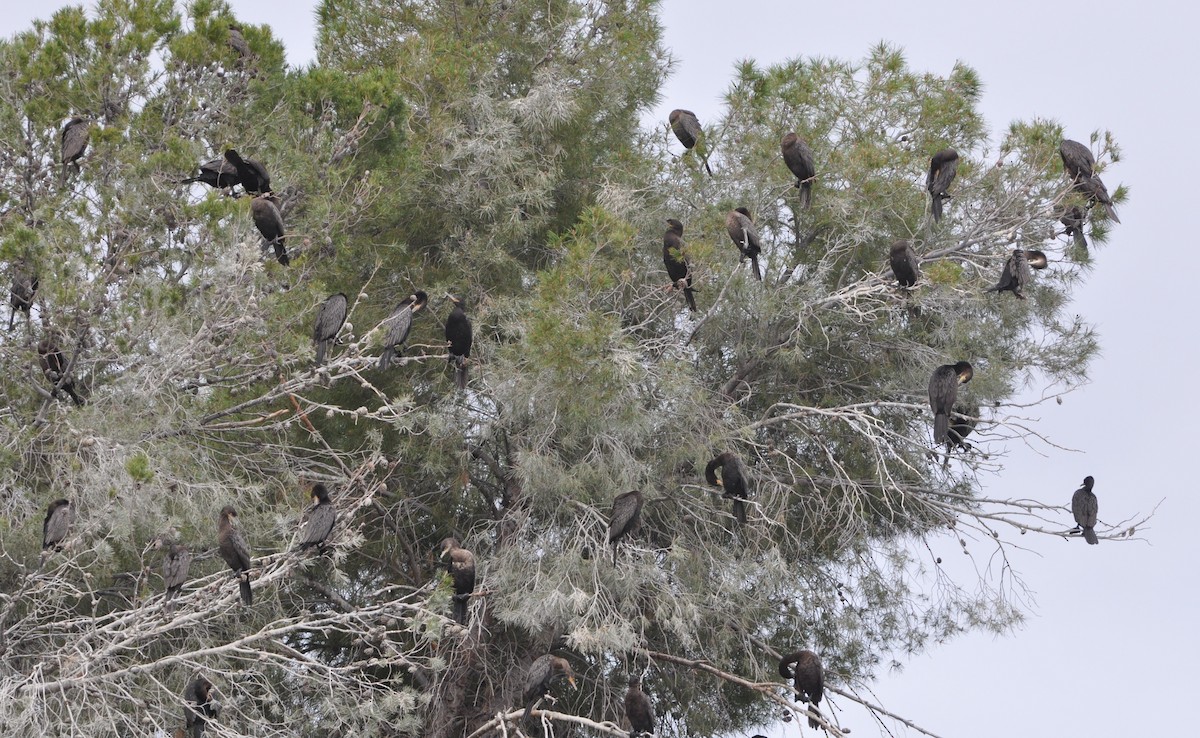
(1111, 643)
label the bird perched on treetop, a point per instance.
(942, 169)
(1084, 507)
(740, 227)
(943, 391)
(906, 265)
(321, 519)
(234, 551)
(799, 158)
(808, 679)
(733, 481)
(1080, 167)
(687, 130)
(461, 566)
(75, 135)
(459, 339)
(676, 260)
(399, 326)
(331, 316)
(1016, 274)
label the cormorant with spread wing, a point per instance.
(321, 518)
(200, 706)
(687, 129)
(54, 367)
(676, 260)
(799, 158)
(942, 169)
(459, 339)
(74, 143)
(331, 316)
(1084, 507)
(218, 174)
(20, 296)
(740, 227)
(59, 516)
(252, 174)
(733, 481)
(906, 265)
(269, 221)
(1016, 275)
(399, 326)
(234, 551)
(625, 519)
(461, 566)
(808, 678)
(638, 709)
(943, 391)
(543, 672)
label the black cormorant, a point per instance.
(1077, 159)
(74, 143)
(733, 481)
(906, 266)
(234, 551)
(399, 325)
(237, 42)
(962, 422)
(740, 227)
(200, 706)
(218, 173)
(20, 295)
(625, 519)
(458, 338)
(321, 518)
(252, 174)
(942, 169)
(1084, 507)
(676, 260)
(638, 709)
(543, 672)
(799, 158)
(1016, 275)
(687, 130)
(1074, 218)
(176, 563)
(54, 367)
(269, 221)
(943, 391)
(331, 316)
(1095, 191)
(59, 516)
(461, 566)
(808, 678)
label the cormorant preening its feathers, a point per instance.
(799, 158)
(176, 564)
(252, 174)
(638, 709)
(1074, 217)
(321, 518)
(625, 519)
(59, 516)
(400, 323)
(461, 566)
(74, 143)
(458, 337)
(1084, 507)
(543, 672)
(943, 391)
(234, 551)
(808, 678)
(740, 227)
(269, 221)
(687, 130)
(733, 481)
(906, 266)
(200, 706)
(942, 169)
(676, 260)
(1080, 167)
(1016, 274)
(218, 174)
(331, 316)
(54, 367)
(20, 295)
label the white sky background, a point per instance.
(1111, 643)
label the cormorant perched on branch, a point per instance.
(74, 143)
(54, 366)
(176, 563)
(461, 567)
(799, 158)
(942, 169)
(20, 296)
(234, 551)
(237, 42)
(808, 678)
(625, 519)
(1016, 274)
(906, 265)
(252, 174)
(218, 173)
(740, 227)
(1096, 192)
(638, 709)
(676, 260)
(733, 481)
(331, 316)
(943, 391)
(400, 324)
(687, 130)
(1077, 159)
(59, 516)
(200, 706)
(543, 672)
(321, 518)
(458, 337)
(962, 422)
(269, 221)
(1084, 507)
(1074, 217)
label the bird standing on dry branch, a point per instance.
(331, 316)
(733, 481)
(269, 221)
(906, 265)
(740, 227)
(399, 325)
(542, 674)
(687, 129)
(321, 519)
(943, 391)
(75, 137)
(176, 563)
(808, 678)
(1085, 506)
(625, 519)
(200, 706)
(234, 551)
(54, 367)
(942, 169)
(459, 340)
(675, 257)
(1016, 275)
(799, 158)
(461, 566)
(59, 516)
(20, 295)
(638, 709)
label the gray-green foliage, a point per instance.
(494, 150)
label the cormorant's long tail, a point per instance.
(385, 359)
(1089, 535)
(941, 427)
(460, 371)
(805, 194)
(281, 252)
(460, 609)
(691, 298)
(11, 317)
(1112, 213)
(1080, 238)
(757, 271)
(708, 169)
(937, 208)
(739, 510)
(812, 721)
(321, 352)
(70, 390)
(244, 585)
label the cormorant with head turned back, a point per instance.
(399, 325)
(687, 129)
(321, 519)
(200, 706)
(543, 672)
(942, 169)
(252, 174)
(906, 266)
(331, 316)
(461, 566)
(943, 391)
(799, 159)
(54, 367)
(740, 227)
(269, 221)
(625, 519)
(1016, 275)
(459, 339)
(676, 260)
(808, 678)
(638, 709)
(59, 516)
(733, 481)
(20, 296)
(75, 137)
(1084, 507)
(234, 551)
